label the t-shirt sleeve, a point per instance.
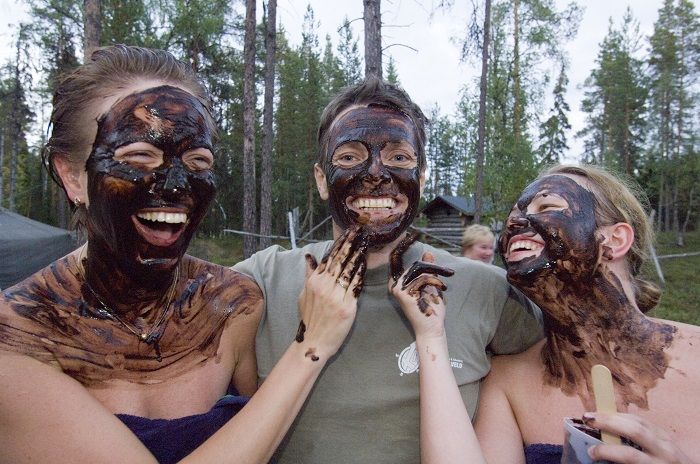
(252, 267)
(246, 266)
(519, 327)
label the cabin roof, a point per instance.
(461, 204)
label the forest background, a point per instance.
(511, 117)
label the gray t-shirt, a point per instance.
(364, 407)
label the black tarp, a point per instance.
(27, 245)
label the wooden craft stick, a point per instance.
(604, 397)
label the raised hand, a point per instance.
(328, 302)
(419, 292)
(656, 444)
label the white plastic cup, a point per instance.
(577, 442)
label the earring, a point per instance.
(77, 202)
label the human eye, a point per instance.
(399, 156)
(199, 159)
(139, 154)
(550, 202)
(349, 155)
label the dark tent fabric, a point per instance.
(27, 245)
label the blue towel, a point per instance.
(170, 440)
(543, 453)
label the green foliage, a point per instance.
(679, 300)
(392, 75)
(349, 56)
(615, 101)
(552, 143)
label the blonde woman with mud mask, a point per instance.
(128, 349)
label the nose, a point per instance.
(172, 180)
(517, 221)
(377, 173)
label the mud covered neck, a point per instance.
(595, 323)
(125, 291)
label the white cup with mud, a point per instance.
(578, 437)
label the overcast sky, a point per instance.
(432, 73)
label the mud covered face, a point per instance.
(149, 177)
(373, 173)
(552, 228)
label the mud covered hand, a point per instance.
(328, 302)
(656, 443)
(419, 292)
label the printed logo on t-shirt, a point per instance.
(408, 360)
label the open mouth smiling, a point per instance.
(158, 227)
(376, 208)
(521, 247)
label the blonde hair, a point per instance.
(473, 234)
(619, 199)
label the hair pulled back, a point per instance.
(110, 69)
(619, 199)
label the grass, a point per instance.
(679, 301)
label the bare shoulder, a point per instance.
(525, 366)
(222, 285)
(685, 350)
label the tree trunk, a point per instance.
(373, 38)
(249, 202)
(92, 16)
(517, 104)
(2, 163)
(15, 121)
(661, 207)
(481, 133)
(266, 162)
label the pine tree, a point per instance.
(615, 100)
(348, 55)
(553, 145)
(392, 75)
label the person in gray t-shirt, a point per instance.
(365, 406)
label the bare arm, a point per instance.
(446, 433)
(495, 424)
(46, 416)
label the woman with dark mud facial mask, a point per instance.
(128, 349)
(574, 243)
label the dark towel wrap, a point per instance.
(170, 440)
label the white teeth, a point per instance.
(170, 218)
(524, 245)
(374, 203)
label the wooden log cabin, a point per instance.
(447, 217)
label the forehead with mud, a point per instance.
(382, 198)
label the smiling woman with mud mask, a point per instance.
(128, 338)
(574, 243)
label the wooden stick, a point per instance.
(604, 398)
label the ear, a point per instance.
(422, 181)
(321, 183)
(74, 178)
(618, 239)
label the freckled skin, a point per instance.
(374, 127)
(53, 317)
(588, 318)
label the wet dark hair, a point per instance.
(372, 91)
(110, 69)
(619, 199)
